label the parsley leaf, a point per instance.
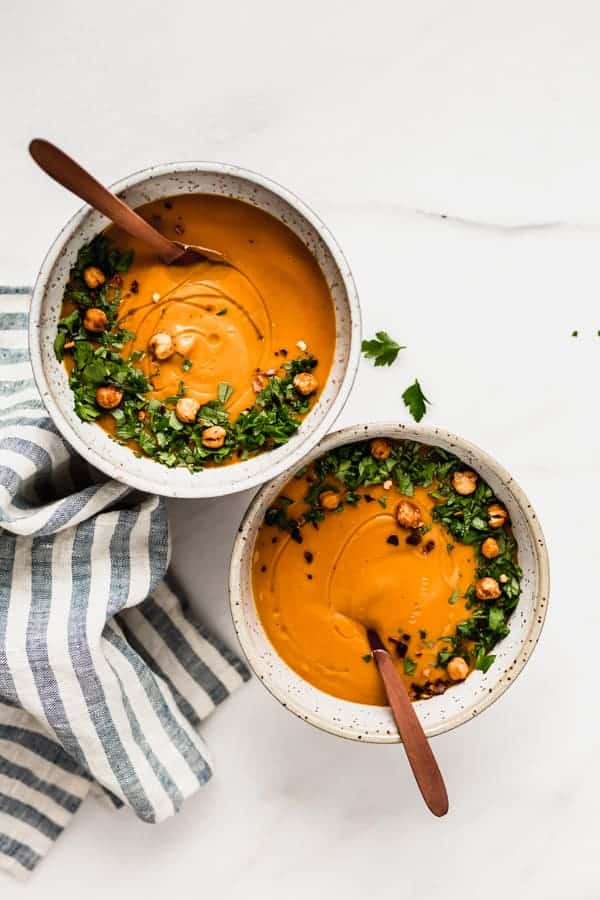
(409, 665)
(382, 349)
(224, 391)
(415, 400)
(454, 597)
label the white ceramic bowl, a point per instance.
(460, 702)
(92, 442)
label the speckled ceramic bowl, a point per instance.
(92, 442)
(460, 702)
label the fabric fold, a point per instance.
(104, 674)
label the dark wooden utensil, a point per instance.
(71, 175)
(419, 753)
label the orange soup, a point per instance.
(223, 339)
(357, 542)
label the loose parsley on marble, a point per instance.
(382, 349)
(415, 400)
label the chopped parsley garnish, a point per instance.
(382, 349)
(101, 360)
(415, 400)
(367, 658)
(351, 470)
(409, 665)
(222, 312)
(224, 392)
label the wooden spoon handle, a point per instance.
(419, 753)
(71, 175)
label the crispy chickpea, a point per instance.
(109, 396)
(305, 383)
(487, 589)
(329, 500)
(497, 515)
(490, 548)
(161, 345)
(93, 277)
(214, 437)
(95, 320)
(408, 515)
(380, 448)
(186, 409)
(259, 382)
(464, 483)
(457, 669)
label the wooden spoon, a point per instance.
(71, 175)
(419, 753)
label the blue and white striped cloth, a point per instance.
(104, 677)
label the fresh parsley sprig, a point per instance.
(382, 349)
(415, 401)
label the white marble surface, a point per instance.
(382, 117)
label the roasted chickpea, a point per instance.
(408, 515)
(259, 382)
(109, 396)
(487, 589)
(457, 669)
(490, 548)
(497, 515)
(329, 500)
(464, 483)
(93, 277)
(305, 383)
(161, 345)
(214, 437)
(186, 409)
(380, 448)
(95, 320)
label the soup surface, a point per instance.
(234, 330)
(418, 581)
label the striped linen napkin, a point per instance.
(104, 676)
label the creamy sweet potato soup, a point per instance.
(199, 364)
(395, 536)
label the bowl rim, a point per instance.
(198, 488)
(540, 592)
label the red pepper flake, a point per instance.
(393, 539)
(414, 539)
(308, 556)
(135, 286)
(263, 568)
(167, 204)
(428, 546)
